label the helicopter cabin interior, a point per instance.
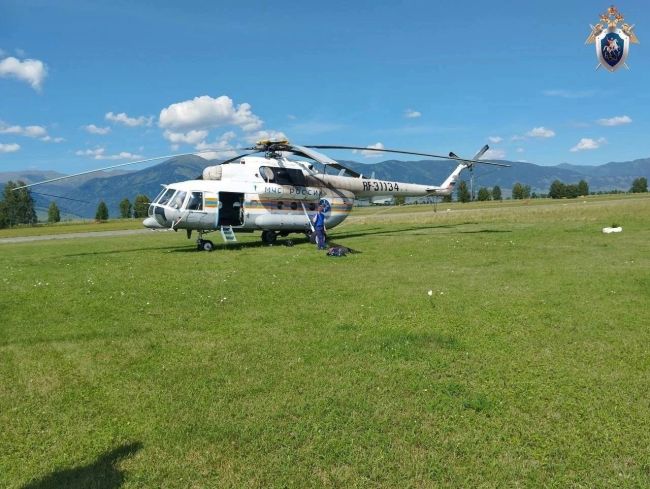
(231, 209)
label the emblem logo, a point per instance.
(612, 42)
(326, 206)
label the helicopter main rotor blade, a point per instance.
(481, 152)
(399, 151)
(65, 177)
(325, 160)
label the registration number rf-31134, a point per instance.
(378, 186)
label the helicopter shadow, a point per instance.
(486, 231)
(130, 250)
(394, 232)
(103, 473)
(288, 242)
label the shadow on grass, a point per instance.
(103, 473)
(486, 231)
(397, 231)
(130, 250)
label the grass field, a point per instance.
(138, 362)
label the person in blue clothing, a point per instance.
(319, 226)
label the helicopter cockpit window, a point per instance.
(164, 198)
(195, 203)
(177, 200)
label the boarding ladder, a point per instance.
(228, 234)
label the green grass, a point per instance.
(43, 229)
(139, 362)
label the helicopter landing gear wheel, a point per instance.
(269, 237)
(205, 245)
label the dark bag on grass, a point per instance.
(338, 251)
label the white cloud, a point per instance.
(124, 119)
(93, 129)
(371, 154)
(50, 139)
(540, 132)
(9, 148)
(265, 134)
(36, 132)
(588, 143)
(495, 139)
(31, 71)
(100, 154)
(27, 131)
(494, 154)
(618, 120)
(520, 150)
(412, 114)
(206, 112)
(191, 137)
(220, 148)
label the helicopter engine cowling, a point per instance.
(212, 172)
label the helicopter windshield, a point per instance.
(177, 200)
(164, 198)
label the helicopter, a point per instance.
(274, 194)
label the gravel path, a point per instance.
(92, 234)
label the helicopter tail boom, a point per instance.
(449, 184)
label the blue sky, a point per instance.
(94, 83)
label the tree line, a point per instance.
(557, 190)
(17, 207)
(138, 209)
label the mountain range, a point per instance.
(111, 187)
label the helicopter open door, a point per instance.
(231, 209)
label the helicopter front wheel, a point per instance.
(269, 237)
(205, 245)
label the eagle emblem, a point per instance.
(612, 38)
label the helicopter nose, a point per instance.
(151, 223)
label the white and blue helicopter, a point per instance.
(275, 194)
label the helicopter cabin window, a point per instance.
(164, 198)
(312, 206)
(280, 204)
(283, 176)
(294, 205)
(195, 203)
(177, 200)
(267, 174)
